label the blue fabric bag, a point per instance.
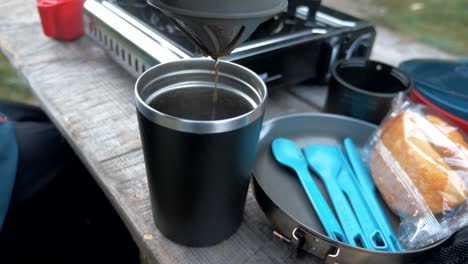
(8, 164)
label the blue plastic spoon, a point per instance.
(287, 153)
(327, 172)
(369, 191)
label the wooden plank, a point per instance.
(313, 95)
(284, 102)
(90, 99)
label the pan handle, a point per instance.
(326, 251)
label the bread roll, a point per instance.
(453, 134)
(411, 145)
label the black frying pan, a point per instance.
(282, 198)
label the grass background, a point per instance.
(12, 87)
(439, 23)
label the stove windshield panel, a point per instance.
(159, 23)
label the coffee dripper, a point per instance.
(218, 27)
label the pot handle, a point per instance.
(313, 244)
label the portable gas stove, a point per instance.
(296, 46)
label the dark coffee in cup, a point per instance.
(196, 103)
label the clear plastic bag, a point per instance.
(419, 162)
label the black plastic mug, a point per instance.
(364, 89)
(199, 170)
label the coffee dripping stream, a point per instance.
(218, 27)
(215, 91)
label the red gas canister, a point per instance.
(61, 19)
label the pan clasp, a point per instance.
(331, 258)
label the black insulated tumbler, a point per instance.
(199, 151)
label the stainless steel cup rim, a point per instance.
(181, 73)
(359, 62)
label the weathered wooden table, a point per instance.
(90, 99)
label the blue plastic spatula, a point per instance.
(330, 164)
(287, 153)
(369, 191)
